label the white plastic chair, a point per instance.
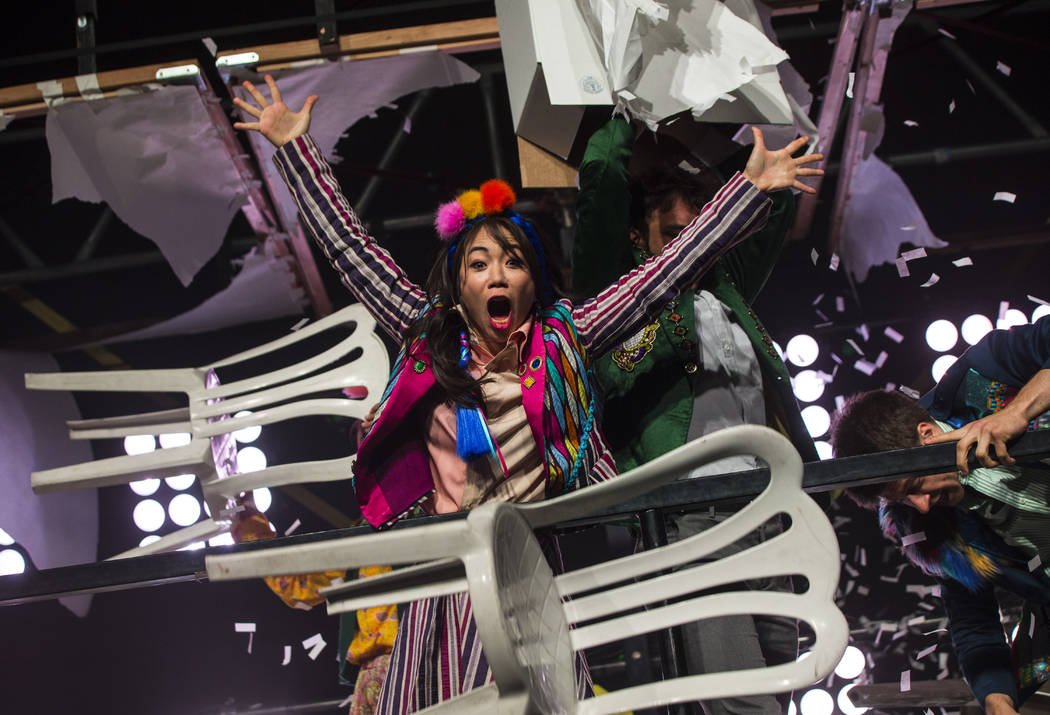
(211, 453)
(530, 628)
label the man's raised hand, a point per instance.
(775, 170)
(276, 122)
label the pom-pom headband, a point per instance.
(493, 198)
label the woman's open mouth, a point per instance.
(499, 312)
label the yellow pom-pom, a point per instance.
(471, 203)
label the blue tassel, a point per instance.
(472, 434)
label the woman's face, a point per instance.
(496, 288)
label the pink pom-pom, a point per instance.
(449, 220)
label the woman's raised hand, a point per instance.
(276, 122)
(775, 170)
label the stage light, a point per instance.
(824, 450)
(1040, 311)
(184, 509)
(802, 350)
(941, 335)
(221, 540)
(976, 327)
(817, 420)
(148, 539)
(11, 562)
(792, 710)
(807, 385)
(941, 365)
(145, 487)
(139, 444)
(176, 439)
(1011, 318)
(5, 538)
(816, 702)
(148, 515)
(247, 434)
(851, 665)
(846, 705)
(262, 498)
(180, 481)
(250, 459)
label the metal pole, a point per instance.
(28, 256)
(499, 167)
(363, 202)
(91, 243)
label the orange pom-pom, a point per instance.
(472, 204)
(496, 196)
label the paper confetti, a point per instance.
(836, 358)
(849, 84)
(839, 402)
(935, 630)
(1006, 196)
(833, 262)
(889, 386)
(927, 606)
(851, 571)
(916, 621)
(248, 628)
(910, 123)
(300, 324)
(862, 331)
(909, 392)
(905, 681)
(1004, 305)
(970, 85)
(1003, 67)
(295, 525)
(868, 368)
(813, 256)
(863, 557)
(898, 635)
(817, 299)
(863, 590)
(931, 281)
(936, 592)
(287, 655)
(820, 313)
(902, 267)
(825, 324)
(840, 304)
(960, 262)
(687, 167)
(892, 334)
(1034, 563)
(946, 33)
(351, 697)
(1040, 301)
(951, 106)
(853, 344)
(881, 360)
(913, 254)
(315, 644)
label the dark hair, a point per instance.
(442, 324)
(875, 421)
(657, 187)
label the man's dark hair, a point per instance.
(875, 421)
(657, 187)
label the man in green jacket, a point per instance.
(706, 362)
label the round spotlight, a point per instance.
(792, 709)
(148, 515)
(5, 538)
(184, 509)
(941, 365)
(250, 459)
(221, 540)
(802, 350)
(851, 665)
(247, 434)
(176, 439)
(816, 702)
(807, 385)
(149, 539)
(145, 487)
(180, 481)
(976, 327)
(1011, 318)
(11, 562)
(262, 498)
(941, 335)
(139, 444)
(846, 705)
(817, 420)
(1040, 311)
(824, 450)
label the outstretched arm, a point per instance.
(999, 428)
(366, 268)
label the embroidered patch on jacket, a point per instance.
(631, 352)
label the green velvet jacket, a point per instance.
(650, 387)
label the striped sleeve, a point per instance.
(365, 267)
(620, 310)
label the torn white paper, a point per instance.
(868, 368)
(300, 323)
(295, 525)
(244, 628)
(853, 344)
(862, 331)
(817, 299)
(849, 84)
(813, 256)
(314, 644)
(1006, 196)
(931, 281)
(892, 334)
(910, 123)
(915, 538)
(905, 681)
(881, 359)
(1034, 563)
(902, 267)
(1040, 301)
(961, 262)
(833, 262)
(287, 655)
(909, 392)
(1003, 67)
(840, 304)
(951, 107)
(946, 33)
